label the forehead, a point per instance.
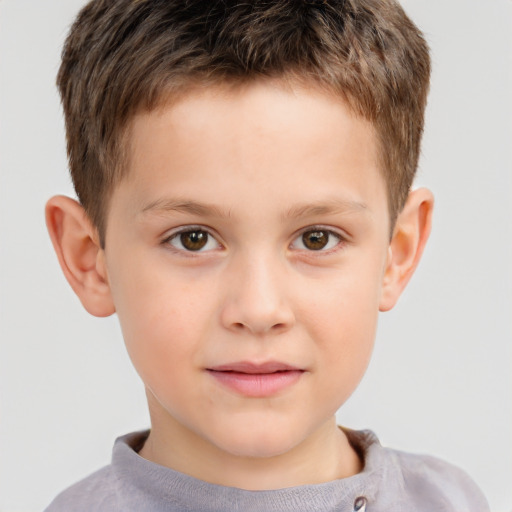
(266, 135)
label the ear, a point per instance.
(81, 258)
(406, 247)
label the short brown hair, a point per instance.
(125, 56)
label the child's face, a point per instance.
(252, 229)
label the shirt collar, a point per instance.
(154, 487)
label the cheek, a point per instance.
(164, 321)
(344, 303)
(343, 323)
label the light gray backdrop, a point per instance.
(440, 381)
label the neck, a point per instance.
(324, 456)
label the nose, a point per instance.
(256, 300)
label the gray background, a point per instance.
(440, 381)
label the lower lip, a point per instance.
(257, 385)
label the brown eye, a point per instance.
(194, 240)
(318, 239)
(315, 240)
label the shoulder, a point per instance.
(427, 478)
(96, 492)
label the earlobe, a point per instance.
(80, 256)
(410, 236)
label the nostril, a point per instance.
(240, 326)
(360, 504)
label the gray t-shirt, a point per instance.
(391, 481)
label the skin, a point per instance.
(255, 168)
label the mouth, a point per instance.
(256, 380)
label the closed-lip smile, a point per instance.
(256, 380)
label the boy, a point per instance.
(244, 173)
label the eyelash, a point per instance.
(341, 240)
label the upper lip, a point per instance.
(250, 367)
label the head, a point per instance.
(244, 167)
(132, 56)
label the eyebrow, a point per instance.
(162, 206)
(329, 207)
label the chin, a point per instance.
(259, 444)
